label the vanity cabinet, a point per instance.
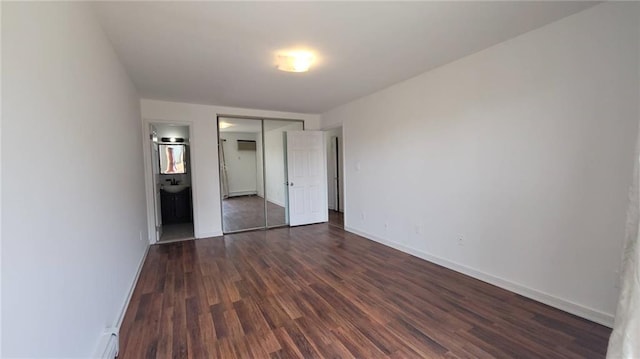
(176, 207)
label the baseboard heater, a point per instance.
(108, 346)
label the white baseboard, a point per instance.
(209, 234)
(105, 343)
(131, 289)
(242, 193)
(108, 346)
(281, 204)
(548, 299)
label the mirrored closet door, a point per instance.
(253, 172)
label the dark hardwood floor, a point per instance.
(247, 212)
(320, 292)
(336, 218)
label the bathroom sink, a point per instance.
(174, 188)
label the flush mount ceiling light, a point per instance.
(294, 61)
(224, 124)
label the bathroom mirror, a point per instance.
(172, 159)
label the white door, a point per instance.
(155, 171)
(307, 177)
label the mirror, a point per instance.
(253, 172)
(172, 159)
(275, 151)
(241, 174)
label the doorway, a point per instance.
(335, 180)
(171, 179)
(253, 172)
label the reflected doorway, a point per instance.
(335, 178)
(253, 172)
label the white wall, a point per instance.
(204, 152)
(332, 171)
(168, 130)
(241, 165)
(523, 150)
(73, 192)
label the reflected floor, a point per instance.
(336, 218)
(247, 212)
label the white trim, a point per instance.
(103, 343)
(148, 179)
(548, 299)
(209, 234)
(243, 193)
(118, 323)
(108, 345)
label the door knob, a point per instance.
(291, 184)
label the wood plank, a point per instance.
(318, 291)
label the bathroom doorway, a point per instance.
(253, 172)
(171, 181)
(335, 178)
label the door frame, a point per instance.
(149, 180)
(335, 155)
(264, 177)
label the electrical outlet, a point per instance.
(362, 216)
(418, 229)
(386, 226)
(460, 241)
(141, 236)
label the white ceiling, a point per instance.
(223, 53)
(241, 125)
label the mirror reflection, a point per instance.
(172, 159)
(275, 150)
(253, 176)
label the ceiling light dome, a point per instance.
(295, 61)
